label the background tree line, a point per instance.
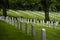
(45, 5)
(33, 4)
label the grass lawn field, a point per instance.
(9, 32)
(34, 14)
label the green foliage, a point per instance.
(32, 4)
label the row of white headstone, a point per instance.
(16, 21)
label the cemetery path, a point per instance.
(9, 32)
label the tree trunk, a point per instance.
(47, 16)
(4, 7)
(4, 12)
(46, 6)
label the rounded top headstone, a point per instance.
(43, 29)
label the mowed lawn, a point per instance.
(8, 32)
(33, 14)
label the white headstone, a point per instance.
(57, 22)
(25, 20)
(0, 18)
(34, 20)
(51, 22)
(15, 24)
(48, 23)
(33, 30)
(7, 19)
(42, 22)
(30, 20)
(43, 34)
(22, 19)
(54, 25)
(18, 23)
(37, 21)
(12, 21)
(21, 26)
(27, 29)
(3, 18)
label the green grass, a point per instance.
(9, 32)
(12, 14)
(0, 13)
(51, 34)
(25, 15)
(34, 16)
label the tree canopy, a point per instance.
(33, 4)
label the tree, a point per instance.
(46, 4)
(5, 5)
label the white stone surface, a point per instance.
(43, 34)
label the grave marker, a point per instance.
(34, 20)
(30, 20)
(33, 30)
(48, 23)
(18, 23)
(54, 25)
(57, 22)
(22, 19)
(12, 21)
(42, 22)
(27, 29)
(43, 34)
(7, 19)
(37, 21)
(51, 22)
(15, 22)
(21, 26)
